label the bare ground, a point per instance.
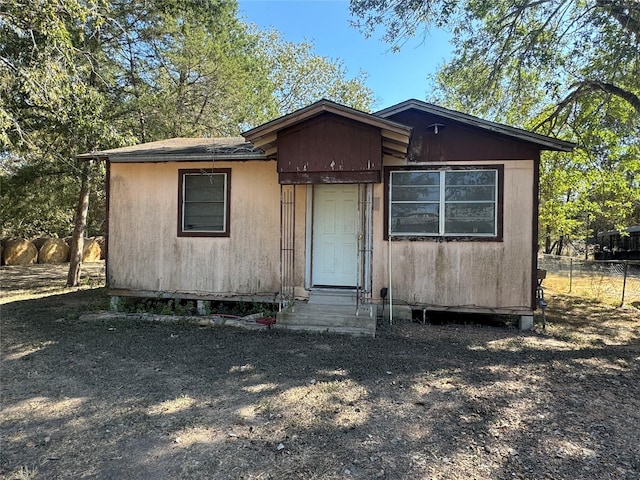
(126, 399)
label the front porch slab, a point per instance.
(341, 319)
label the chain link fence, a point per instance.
(612, 281)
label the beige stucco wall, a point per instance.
(145, 253)
(466, 275)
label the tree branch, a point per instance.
(593, 86)
(586, 87)
(627, 14)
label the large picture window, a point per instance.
(204, 203)
(444, 202)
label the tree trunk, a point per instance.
(560, 245)
(80, 226)
(547, 241)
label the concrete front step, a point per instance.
(329, 318)
(332, 296)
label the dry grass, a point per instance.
(24, 282)
(600, 287)
(126, 399)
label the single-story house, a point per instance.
(332, 213)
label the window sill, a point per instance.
(441, 239)
(203, 234)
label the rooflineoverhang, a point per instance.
(543, 142)
(181, 149)
(394, 136)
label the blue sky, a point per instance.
(393, 77)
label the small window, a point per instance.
(204, 203)
(434, 203)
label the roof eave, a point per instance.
(265, 136)
(172, 157)
(317, 108)
(92, 156)
(549, 143)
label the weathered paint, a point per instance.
(446, 145)
(145, 253)
(460, 274)
(326, 143)
(395, 137)
(329, 149)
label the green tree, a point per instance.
(597, 187)
(585, 47)
(301, 77)
(569, 68)
(53, 108)
(48, 115)
(84, 75)
(186, 69)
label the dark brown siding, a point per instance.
(106, 225)
(535, 226)
(329, 149)
(458, 142)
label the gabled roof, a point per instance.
(395, 136)
(260, 143)
(544, 142)
(182, 149)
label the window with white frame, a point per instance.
(444, 202)
(204, 203)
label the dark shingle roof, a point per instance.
(183, 149)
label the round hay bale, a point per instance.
(19, 251)
(54, 250)
(91, 251)
(38, 242)
(103, 250)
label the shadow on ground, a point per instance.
(128, 399)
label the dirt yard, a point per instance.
(118, 399)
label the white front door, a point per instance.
(335, 235)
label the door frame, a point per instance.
(365, 237)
